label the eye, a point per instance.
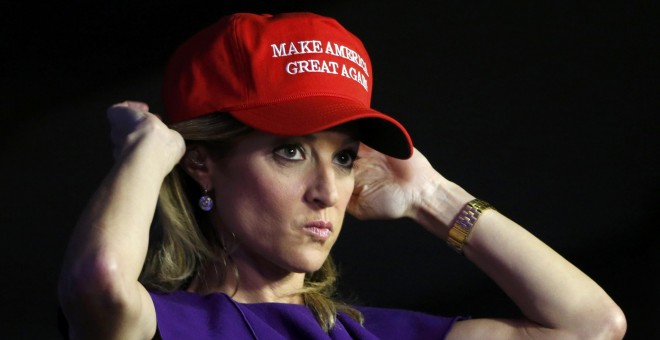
(346, 158)
(290, 151)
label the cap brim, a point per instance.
(303, 116)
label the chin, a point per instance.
(310, 264)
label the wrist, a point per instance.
(439, 204)
(146, 172)
(149, 158)
(464, 222)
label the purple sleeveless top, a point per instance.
(184, 315)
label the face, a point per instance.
(285, 198)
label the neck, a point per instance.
(246, 283)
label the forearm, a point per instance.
(110, 240)
(550, 291)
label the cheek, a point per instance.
(271, 199)
(253, 200)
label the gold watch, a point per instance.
(464, 222)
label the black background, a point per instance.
(547, 109)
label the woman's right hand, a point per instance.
(140, 135)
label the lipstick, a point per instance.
(319, 230)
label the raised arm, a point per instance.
(556, 298)
(98, 288)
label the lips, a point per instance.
(319, 230)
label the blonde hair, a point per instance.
(183, 240)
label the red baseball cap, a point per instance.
(288, 74)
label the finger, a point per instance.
(134, 105)
(131, 105)
(365, 151)
(124, 117)
(142, 107)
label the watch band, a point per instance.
(464, 222)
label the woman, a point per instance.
(251, 182)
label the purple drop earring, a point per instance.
(206, 202)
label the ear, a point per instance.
(195, 162)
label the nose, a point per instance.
(322, 187)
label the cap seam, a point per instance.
(242, 59)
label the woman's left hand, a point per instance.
(387, 187)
